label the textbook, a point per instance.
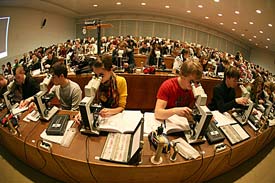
(124, 122)
(173, 124)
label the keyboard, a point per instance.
(213, 134)
(234, 133)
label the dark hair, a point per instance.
(232, 72)
(104, 62)
(58, 69)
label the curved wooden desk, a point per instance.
(143, 88)
(79, 162)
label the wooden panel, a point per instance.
(79, 162)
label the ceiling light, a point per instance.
(143, 4)
(242, 35)
(258, 11)
(251, 23)
(188, 11)
(268, 39)
(270, 25)
(235, 23)
(200, 6)
(250, 39)
(237, 12)
(256, 44)
(266, 46)
(233, 29)
(206, 17)
(255, 37)
(261, 31)
(95, 5)
(167, 6)
(220, 15)
(221, 23)
(118, 3)
(216, 1)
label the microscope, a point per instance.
(42, 99)
(8, 96)
(201, 115)
(88, 110)
(157, 52)
(120, 62)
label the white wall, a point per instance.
(263, 58)
(25, 33)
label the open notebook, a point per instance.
(124, 122)
(173, 124)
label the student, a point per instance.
(112, 92)
(224, 95)
(175, 95)
(68, 92)
(182, 57)
(3, 85)
(25, 87)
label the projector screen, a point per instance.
(4, 30)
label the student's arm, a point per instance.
(162, 113)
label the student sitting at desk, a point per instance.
(224, 95)
(175, 95)
(68, 92)
(25, 87)
(112, 92)
(3, 85)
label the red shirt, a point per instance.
(175, 96)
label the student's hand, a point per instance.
(105, 112)
(242, 100)
(184, 111)
(77, 118)
(24, 103)
(31, 107)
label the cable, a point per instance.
(50, 149)
(201, 152)
(38, 150)
(215, 150)
(87, 157)
(25, 152)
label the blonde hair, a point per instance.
(190, 67)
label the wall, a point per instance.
(264, 58)
(26, 34)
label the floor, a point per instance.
(256, 170)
